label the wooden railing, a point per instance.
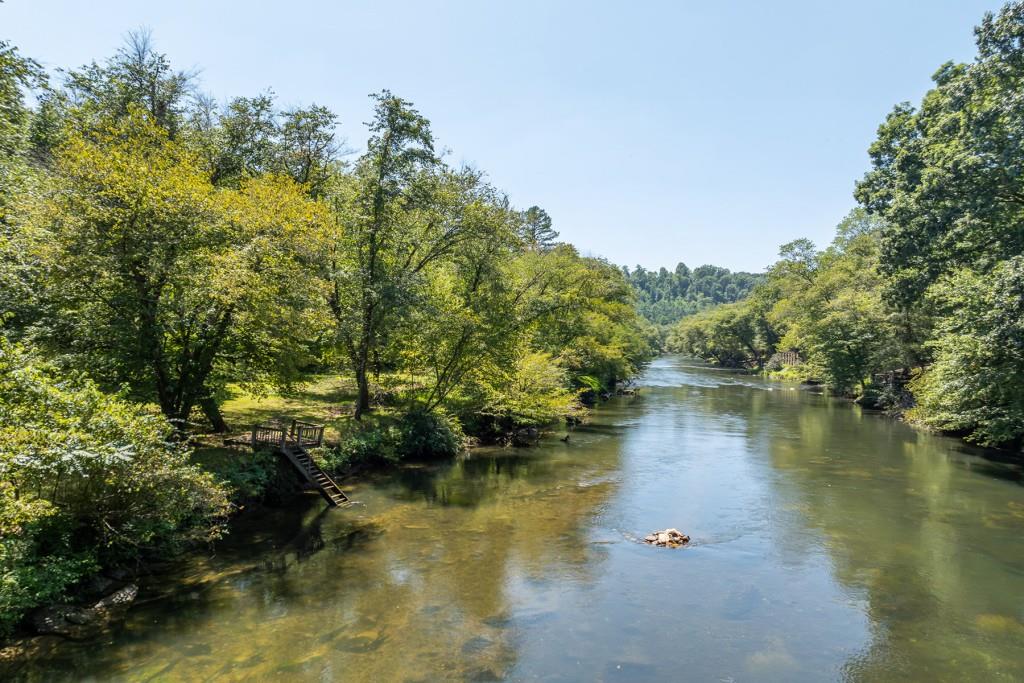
(300, 434)
(292, 443)
(269, 436)
(307, 433)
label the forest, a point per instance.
(161, 252)
(666, 297)
(918, 303)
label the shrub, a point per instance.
(37, 561)
(418, 435)
(247, 475)
(89, 480)
(427, 435)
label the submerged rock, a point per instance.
(15, 655)
(80, 623)
(526, 436)
(669, 538)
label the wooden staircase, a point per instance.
(292, 445)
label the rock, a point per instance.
(526, 436)
(81, 623)
(669, 538)
(15, 655)
(119, 600)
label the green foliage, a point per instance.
(376, 444)
(418, 435)
(727, 335)
(391, 228)
(158, 249)
(153, 278)
(136, 78)
(826, 304)
(88, 479)
(667, 296)
(18, 178)
(536, 229)
(533, 391)
(246, 475)
(948, 176)
(426, 435)
(37, 558)
(976, 384)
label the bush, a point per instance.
(37, 561)
(430, 435)
(89, 480)
(418, 435)
(248, 475)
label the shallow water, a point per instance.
(828, 544)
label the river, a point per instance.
(828, 544)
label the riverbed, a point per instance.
(828, 543)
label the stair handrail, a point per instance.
(268, 434)
(309, 433)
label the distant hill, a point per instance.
(667, 296)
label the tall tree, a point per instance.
(389, 231)
(136, 77)
(159, 280)
(948, 177)
(17, 76)
(536, 230)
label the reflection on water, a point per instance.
(829, 545)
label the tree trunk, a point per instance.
(212, 412)
(363, 397)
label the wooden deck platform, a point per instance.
(293, 444)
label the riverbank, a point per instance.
(824, 542)
(384, 440)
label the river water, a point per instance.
(828, 544)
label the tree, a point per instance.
(392, 223)
(827, 304)
(976, 384)
(246, 143)
(136, 77)
(948, 177)
(17, 177)
(88, 480)
(536, 231)
(252, 138)
(667, 296)
(156, 279)
(309, 147)
(473, 312)
(726, 334)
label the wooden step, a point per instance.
(326, 486)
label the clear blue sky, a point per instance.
(654, 132)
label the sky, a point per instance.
(652, 133)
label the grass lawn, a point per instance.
(323, 399)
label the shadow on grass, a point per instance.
(324, 400)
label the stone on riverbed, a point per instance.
(669, 538)
(80, 623)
